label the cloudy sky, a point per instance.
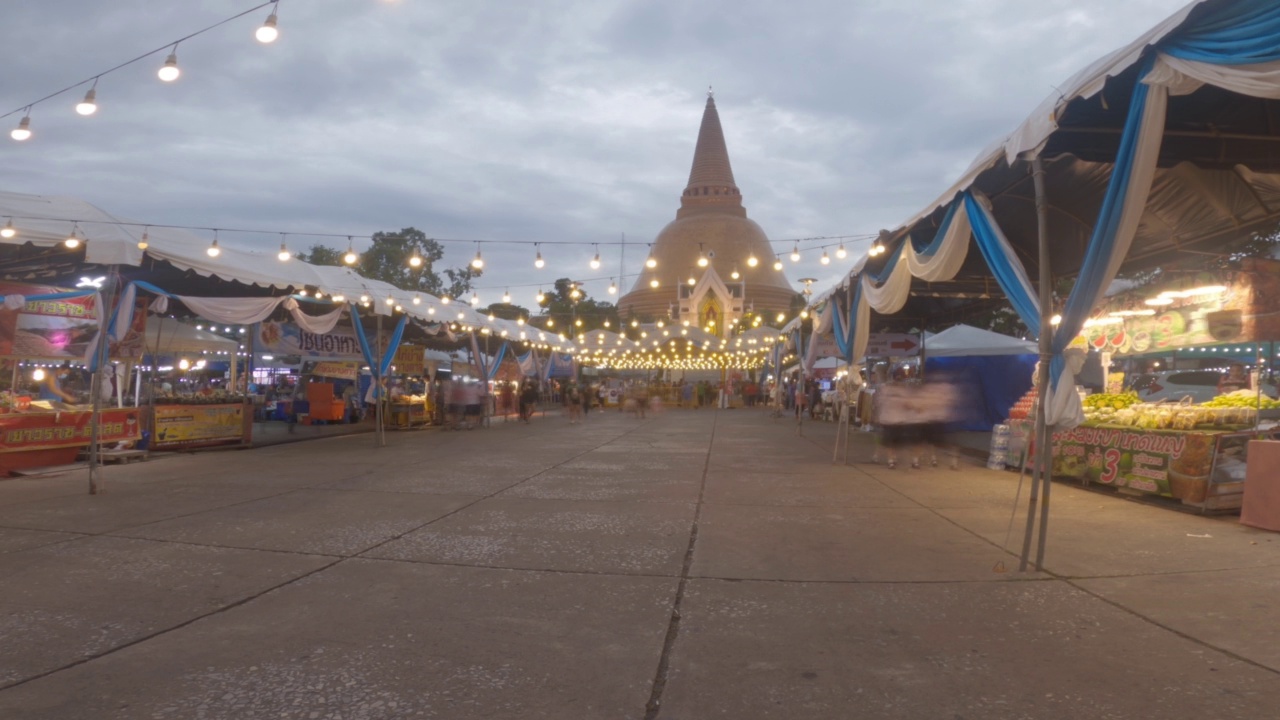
(542, 120)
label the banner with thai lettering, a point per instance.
(1207, 309)
(197, 425)
(20, 432)
(410, 360)
(59, 329)
(282, 338)
(1169, 463)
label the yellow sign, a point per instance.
(192, 425)
(410, 360)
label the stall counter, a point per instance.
(40, 438)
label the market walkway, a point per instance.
(693, 565)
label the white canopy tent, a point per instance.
(966, 340)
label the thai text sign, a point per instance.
(410, 360)
(282, 338)
(193, 425)
(1173, 464)
(47, 430)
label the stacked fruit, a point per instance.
(1243, 399)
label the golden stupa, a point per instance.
(711, 225)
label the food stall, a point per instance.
(46, 416)
(408, 409)
(183, 415)
(1180, 448)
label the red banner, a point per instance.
(46, 430)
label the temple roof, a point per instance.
(711, 177)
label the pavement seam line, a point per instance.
(1073, 584)
(255, 596)
(654, 706)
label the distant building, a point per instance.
(712, 224)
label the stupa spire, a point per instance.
(711, 181)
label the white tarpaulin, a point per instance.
(966, 340)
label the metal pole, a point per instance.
(1040, 479)
(105, 312)
(379, 433)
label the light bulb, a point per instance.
(841, 252)
(702, 259)
(284, 253)
(23, 131)
(268, 32)
(653, 283)
(214, 250)
(542, 297)
(364, 299)
(89, 105)
(613, 289)
(170, 71)
(735, 274)
(777, 264)
(538, 262)
(651, 262)
(693, 280)
(781, 317)
(825, 260)
(752, 261)
(444, 299)
(595, 262)
(478, 262)
(37, 375)
(184, 364)
(145, 241)
(73, 240)
(351, 257)
(339, 297)
(475, 299)
(506, 297)
(795, 253)
(8, 230)
(391, 300)
(415, 260)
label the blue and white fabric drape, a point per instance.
(379, 366)
(231, 311)
(496, 361)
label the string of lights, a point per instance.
(168, 72)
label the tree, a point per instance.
(387, 259)
(507, 311)
(565, 309)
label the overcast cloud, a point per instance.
(546, 120)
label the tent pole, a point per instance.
(100, 352)
(378, 431)
(1040, 478)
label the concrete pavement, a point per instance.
(695, 564)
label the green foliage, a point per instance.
(387, 259)
(560, 305)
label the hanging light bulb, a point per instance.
(284, 253)
(170, 71)
(268, 32)
(841, 252)
(613, 289)
(37, 374)
(350, 257)
(795, 253)
(8, 230)
(692, 280)
(506, 296)
(702, 258)
(417, 300)
(364, 299)
(338, 297)
(777, 263)
(23, 131)
(735, 274)
(542, 297)
(478, 262)
(73, 240)
(825, 259)
(475, 299)
(595, 261)
(415, 260)
(538, 262)
(444, 299)
(89, 105)
(651, 262)
(391, 300)
(752, 261)
(145, 241)
(654, 283)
